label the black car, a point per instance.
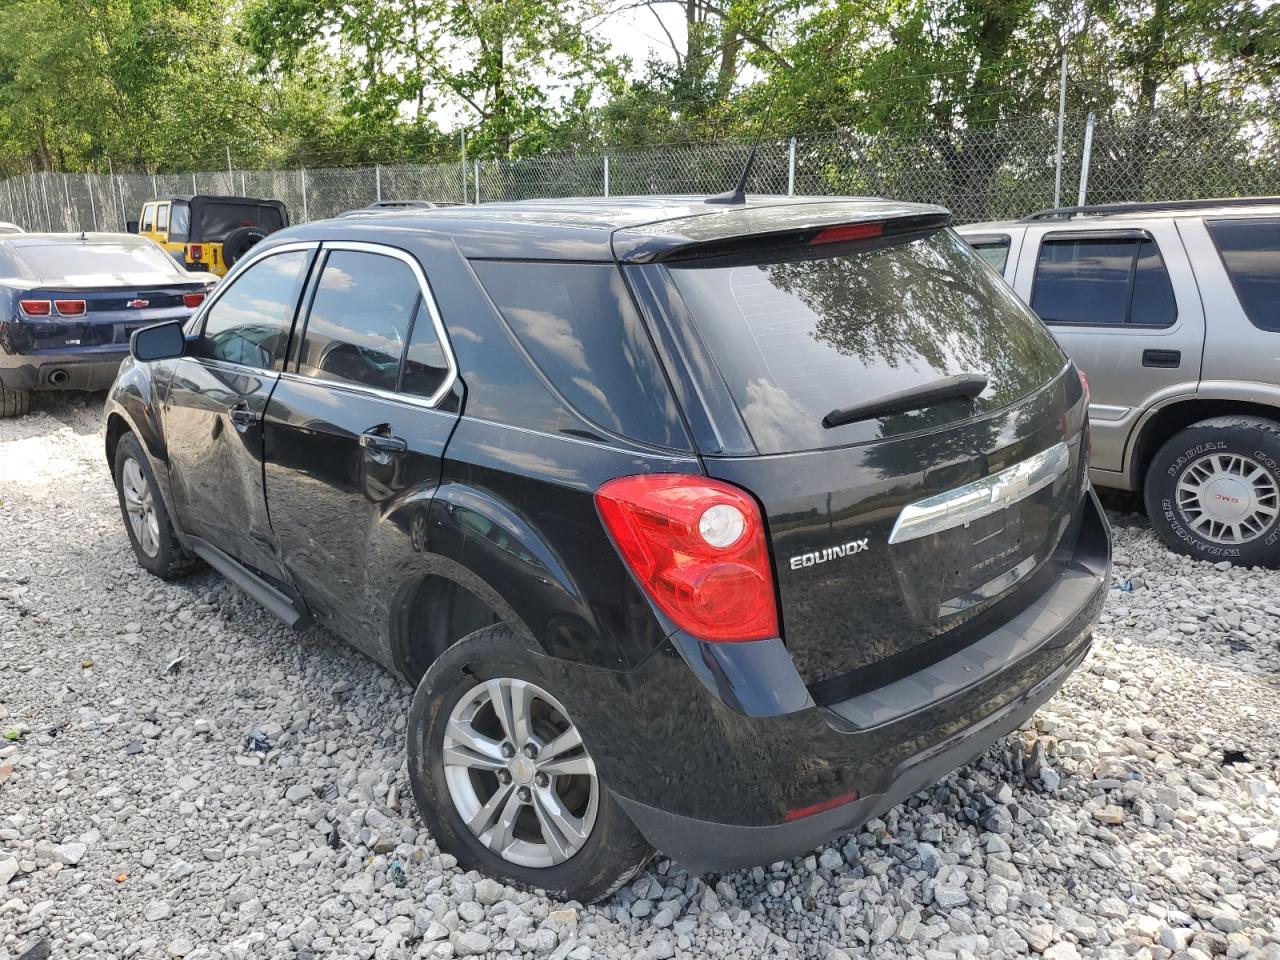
(70, 301)
(716, 529)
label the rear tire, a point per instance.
(457, 691)
(146, 519)
(14, 403)
(1213, 491)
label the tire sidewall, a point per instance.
(1255, 439)
(161, 564)
(595, 870)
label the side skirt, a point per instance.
(289, 609)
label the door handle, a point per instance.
(1161, 358)
(382, 443)
(243, 417)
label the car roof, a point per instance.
(1087, 216)
(600, 228)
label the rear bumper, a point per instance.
(730, 778)
(94, 368)
(703, 846)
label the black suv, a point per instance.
(707, 527)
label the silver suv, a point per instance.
(1172, 310)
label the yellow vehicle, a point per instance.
(210, 233)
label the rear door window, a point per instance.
(359, 319)
(577, 322)
(1250, 251)
(993, 249)
(1102, 281)
(249, 324)
(798, 334)
(148, 217)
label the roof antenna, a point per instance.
(738, 195)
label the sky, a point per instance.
(636, 33)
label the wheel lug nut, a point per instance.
(542, 780)
(525, 796)
(508, 750)
(504, 776)
(530, 750)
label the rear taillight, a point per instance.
(850, 231)
(69, 308)
(195, 251)
(698, 548)
(36, 308)
(192, 300)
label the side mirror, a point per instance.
(131, 226)
(161, 341)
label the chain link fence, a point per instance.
(980, 172)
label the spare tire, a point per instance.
(239, 242)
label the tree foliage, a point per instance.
(157, 85)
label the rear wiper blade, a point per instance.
(962, 386)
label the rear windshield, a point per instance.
(799, 338)
(216, 220)
(1250, 251)
(94, 264)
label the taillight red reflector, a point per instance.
(850, 231)
(69, 308)
(697, 546)
(36, 308)
(193, 300)
(800, 813)
(195, 251)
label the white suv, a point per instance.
(1172, 310)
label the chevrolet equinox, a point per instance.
(710, 528)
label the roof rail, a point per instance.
(1103, 209)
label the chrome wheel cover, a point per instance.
(518, 773)
(1228, 498)
(140, 507)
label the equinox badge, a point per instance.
(828, 553)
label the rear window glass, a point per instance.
(359, 319)
(798, 339)
(179, 222)
(995, 251)
(1103, 281)
(1250, 251)
(91, 264)
(577, 322)
(219, 219)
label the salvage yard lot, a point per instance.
(186, 777)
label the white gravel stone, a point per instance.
(1170, 730)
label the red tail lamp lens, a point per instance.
(36, 308)
(195, 251)
(850, 231)
(193, 300)
(69, 308)
(698, 548)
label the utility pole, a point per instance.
(1084, 161)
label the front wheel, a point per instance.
(145, 518)
(1213, 491)
(503, 779)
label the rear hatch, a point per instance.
(912, 432)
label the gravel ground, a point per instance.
(183, 777)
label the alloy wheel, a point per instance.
(1228, 498)
(518, 773)
(140, 507)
